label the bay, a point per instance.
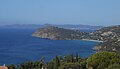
(17, 46)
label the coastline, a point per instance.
(92, 40)
(70, 39)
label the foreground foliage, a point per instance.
(101, 60)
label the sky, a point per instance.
(87, 12)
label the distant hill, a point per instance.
(55, 33)
(66, 26)
(77, 27)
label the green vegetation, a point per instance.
(114, 66)
(101, 60)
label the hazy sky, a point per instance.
(91, 12)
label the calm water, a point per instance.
(17, 46)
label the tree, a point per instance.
(12, 66)
(50, 65)
(114, 66)
(57, 62)
(102, 60)
(77, 57)
(71, 57)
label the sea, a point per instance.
(17, 45)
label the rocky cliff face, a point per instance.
(56, 33)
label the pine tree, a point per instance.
(77, 57)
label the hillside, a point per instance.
(110, 36)
(56, 33)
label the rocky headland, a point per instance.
(55, 33)
(109, 37)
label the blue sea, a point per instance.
(18, 46)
